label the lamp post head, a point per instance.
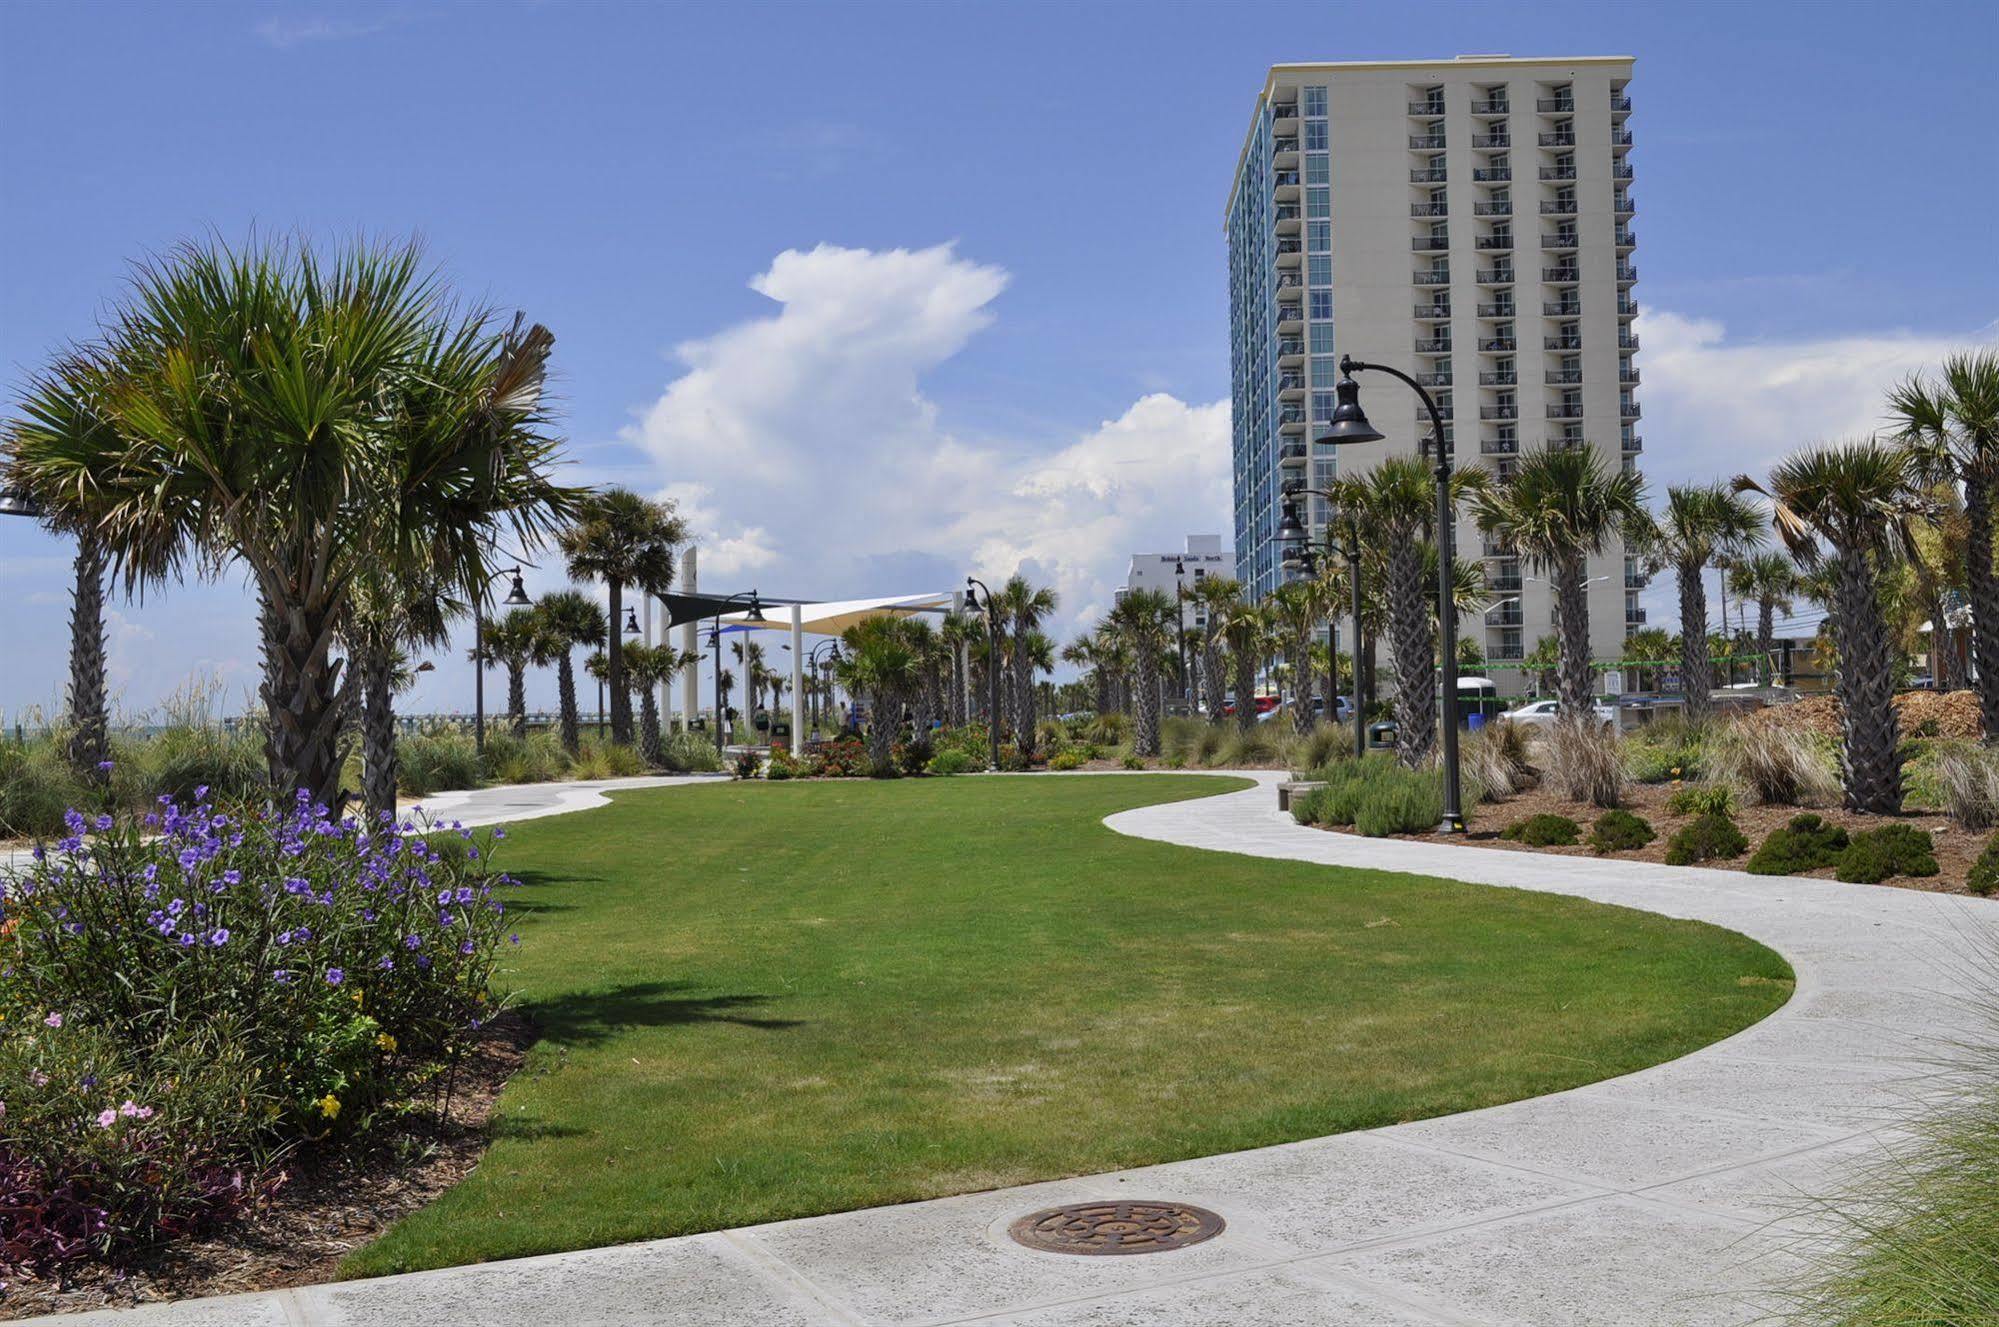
(517, 596)
(756, 613)
(1289, 529)
(18, 502)
(1349, 423)
(631, 621)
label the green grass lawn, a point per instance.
(768, 1000)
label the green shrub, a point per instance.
(1805, 844)
(1134, 762)
(1409, 802)
(1620, 831)
(429, 763)
(690, 753)
(1654, 763)
(1308, 807)
(1063, 761)
(1710, 837)
(1347, 782)
(536, 758)
(953, 761)
(1702, 799)
(36, 787)
(608, 760)
(972, 741)
(912, 757)
(1544, 831)
(1873, 855)
(1111, 729)
(1984, 878)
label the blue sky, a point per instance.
(989, 317)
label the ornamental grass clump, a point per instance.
(1584, 759)
(1779, 764)
(187, 994)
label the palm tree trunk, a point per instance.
(1213, 679)
(270, 630)
(1573, 689)
(1415, 656)
(1983, 587)
(1766, 637)
(621, 700)
(565, 687)
(90, 723)
(885, 714)
(307, 703)
(378, 729)
(650, 745)
(1303, 689)
(517, 698)
(1245, 691)
(1865, 685)
(1696, 673)
(1146, 742)
(1023, 697)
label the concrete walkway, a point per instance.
(1674, 1197)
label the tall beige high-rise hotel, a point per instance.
(1468, 221)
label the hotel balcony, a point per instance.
(1427, 175)
(1498, 345)
(1291, 453)
(1509, 650)
(1430, 243)
(1562, 309)
(1506, 615)
(1634, 444)
(1627, 307)
(1562, 377)
(1560, 207)
(1627, 340)
(1291, 386)
(1555, 105)
(1623, 205)
(1620, 138)
(1284, 117)
(1500, 447)
(1286, 182)
(1625, 239)
(1558, 172)
(1495, 276)
(1502, 208)
(1565, 411)
(1432, 277)
(1626, 274)
(1284, 151)
(1429, 209)
(1567, 274)
(1498, 378)
(1427, 142)
(1437, 378)
(1492, 242)
(1432, 312)
(1504, 310)
(1289, 281)
(1286, 218)
(1492, 174)
(1291, 419)
(1620, 103)
(1429, 109)
(1628, 409)
(1487, 142)
(1561, 343)
(1289, 314)
(1491, 106)
(1433, 345)
(1561, 239)
(1628, 377)
(1634, 617)
(1289, 347)
(1620, 170)
(1498, 548)
(1558, 138)
(1499, 412)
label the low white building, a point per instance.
(1204, 558)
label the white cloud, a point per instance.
(1714, 409)
(804, 452)
(285, 32)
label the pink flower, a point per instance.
(144, 1112)
(53, 1020)
(106, 1118)
(129, 1109)
(38, 1078)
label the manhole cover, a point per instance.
(1128, 1227)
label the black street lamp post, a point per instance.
(517, 597)
(755, 614)
(1349, 425)
(812, 667)
(974, 587)
(1299, 553)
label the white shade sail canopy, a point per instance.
(832, 618)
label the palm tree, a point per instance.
(1938, 558)
(1846, 507)
(1297, 610)
(568, 619)
(387, 615)
(623, 539)
(264, 402)
(647, 668)
(1701, 523)
(1144, 618)
(1769, 579)
(1217, 597)
(1396, 503)
(1951, 424)
(1023, 608)
(1648, 647)
(1244, 626)
(510, 642)
(1560, 507)
(879, 665)
(958, 633)
(928, 698)
(1081, 653)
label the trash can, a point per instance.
(1381, 735)
(1475, 720)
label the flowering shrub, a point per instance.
(846, 758)
(185, 994)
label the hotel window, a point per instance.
(1322, 304)
(1322, 341)
(1318, 168)
(1315, 101)
(1319, 269)
(1324, 367)
(1315, 135)
(1319, 236)
(1322, 406)
(1319, 202)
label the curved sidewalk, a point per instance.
(1673, 1196)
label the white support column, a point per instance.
(690, 643)
(964, 650)
(797, 676)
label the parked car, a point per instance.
(1542, 713)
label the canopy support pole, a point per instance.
(797, 677)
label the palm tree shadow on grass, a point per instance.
(591, 1018)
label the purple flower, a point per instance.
(232, 877)
(282, 977)
(200, 792)
(334, 976)
(219, 936)
(385, 963)
(53, 1020)
(465, 948)
(103, 823)
(105, 766)
(412, 941)
(106, 1118)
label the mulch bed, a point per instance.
(1956, 849)
(330, 1204)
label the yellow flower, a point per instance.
(386, 1042)
(329, 1105)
